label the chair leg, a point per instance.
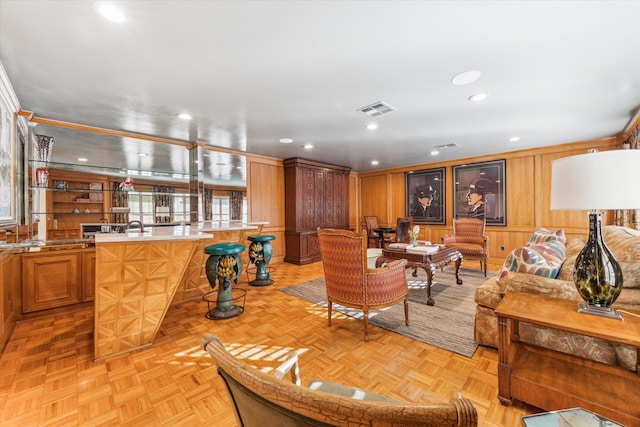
(406, 311)
(366, 326)
(329, 306)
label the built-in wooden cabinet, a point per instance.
(73, 199)
(88, 274)
(316, 195)
(51, 279)
(9, 285)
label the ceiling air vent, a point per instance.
(443, 147)
(376, 109)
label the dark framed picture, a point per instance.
(425, 196)
(479, 192)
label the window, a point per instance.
(141, 206)
(220, 209)
(181, 207)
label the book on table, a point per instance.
(432, 249)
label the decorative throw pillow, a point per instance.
(543, 255)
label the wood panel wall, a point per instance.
(528, 188)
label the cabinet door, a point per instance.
(88, 274)
(50, 280)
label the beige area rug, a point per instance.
(448, 324)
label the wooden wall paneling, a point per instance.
(397, 196)
(265, 196)
(374, 194)
(521, 186)
(356, 221)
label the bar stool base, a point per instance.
(214, 313)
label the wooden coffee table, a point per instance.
(428, 262)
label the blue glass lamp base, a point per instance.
(612, 313)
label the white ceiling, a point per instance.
(252, 72)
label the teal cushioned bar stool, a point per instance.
(223, 266)
(260, 251)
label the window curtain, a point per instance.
(119, 200)
(235, 204)
(629, 217)
(162, 198)
(208, 199)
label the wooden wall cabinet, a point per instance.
(51, 279)
(316, 195)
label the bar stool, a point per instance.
(223, 266)
(260, 251)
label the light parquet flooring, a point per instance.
(49, 376)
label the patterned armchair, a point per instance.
(351, 283)
(468, 236)
(266, 399)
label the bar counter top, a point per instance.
(175, 232)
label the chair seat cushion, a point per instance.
(470, 248)
(346, 391)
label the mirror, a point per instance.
(124, 156)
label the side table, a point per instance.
(552, 380)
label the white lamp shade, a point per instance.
(600, 180)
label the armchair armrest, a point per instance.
(387, 283)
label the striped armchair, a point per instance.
(468, 237)
(351, 283)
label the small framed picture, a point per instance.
(62, 185)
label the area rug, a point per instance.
(448, 324)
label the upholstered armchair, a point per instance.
(468, 236)
(351, 283)
(266, 399)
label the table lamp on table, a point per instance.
(593, 181)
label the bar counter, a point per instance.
(139, 274)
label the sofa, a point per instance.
(625, 245)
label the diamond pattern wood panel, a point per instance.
(135, 283)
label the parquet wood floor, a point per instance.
(49, 376)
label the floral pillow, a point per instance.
(543, 255)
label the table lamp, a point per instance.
(594, 181)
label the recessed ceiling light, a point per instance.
(435, 152)
(185, 116)
(478, 96)
(372, 126)
(466, 78)
(308, 146)
(143, 155)
(83, 159)
(286, 140)
(112, 13)
(514, 138)
(375, 162)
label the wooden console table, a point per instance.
(552, 380)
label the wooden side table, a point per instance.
(553, 380)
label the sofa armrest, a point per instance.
(530, 283)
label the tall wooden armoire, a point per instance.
(316, 195)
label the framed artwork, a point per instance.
(7, 169)
(479, 191)
(425, 196)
